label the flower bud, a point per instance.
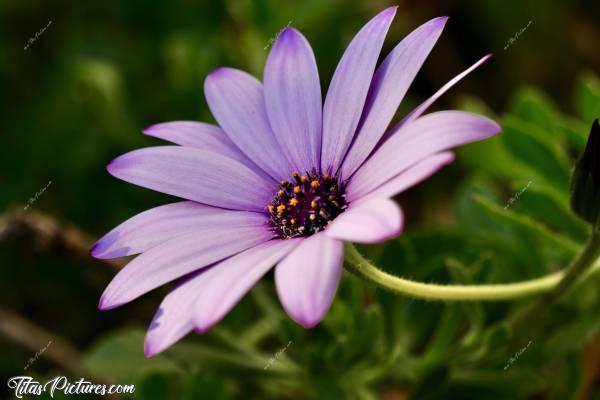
(585, 181)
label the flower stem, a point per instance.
(583, 265)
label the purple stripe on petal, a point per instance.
(177, 257)
(201, 136)
(348, 89)
(421, 138)
(408, 178)
(417, 112)
(157, 225)
(210, 294)
(390, 84)
(370, 221)
(196, 175)
(237, 102)
(307, 279)
(293, 98)
(224, 285)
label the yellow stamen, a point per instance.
(283, 183)
(293, 221)
(271, 208)
(293, 202)
(314, 184)
(280, 208)
(295, 174)
(297, 189)
(313, 204)
(303, 179)
(280, 193)
(312, 217)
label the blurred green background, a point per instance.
(79, 94)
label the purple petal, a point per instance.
(408, 178)
(237, 102)
(225, 284)
(421, 138)
(196, 175)
(209, 295)
(348, 89)
(390, 83)
(293, 98)
(201, 136)
(417, 112)
(157, 225)
(370, 221)
(307, 279)
(177, 257)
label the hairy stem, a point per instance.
(584, 265)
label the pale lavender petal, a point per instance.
(419, 110)
(157, 225)
(201, 136)
(196, 175)
(349, 87)
(210, 294)
(370, 221)
(408, 178)
(390, 83)
(421, 138)
(237, 102)
(293, 99)
(225, 284)
(307, 279)
(177, 257)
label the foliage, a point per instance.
(80, 94)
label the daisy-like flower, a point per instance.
(283, 181)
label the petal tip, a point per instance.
(105, 304)
(149, 130)
(216, 71)
(202, 329)
(102, 304)
(112, 166)
(495, 128)
(387, 14)
(150, 350)
(439, 21)
(93, 252)
(288, 30)
(308, 323)
(215, 74)
(487, 56)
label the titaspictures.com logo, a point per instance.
(26, 385)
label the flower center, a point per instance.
(306, 205)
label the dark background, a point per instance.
(80, 94)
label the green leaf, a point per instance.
(539, 149)
(492, 156)
(587, 97)
(154, 386)
(531, 105)
(544, 204)
(520, 221)
(573, 335)
(119, 357)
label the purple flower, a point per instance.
(284, 180)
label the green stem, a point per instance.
(581, 266)
(584, 264)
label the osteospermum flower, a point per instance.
(283, 181)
